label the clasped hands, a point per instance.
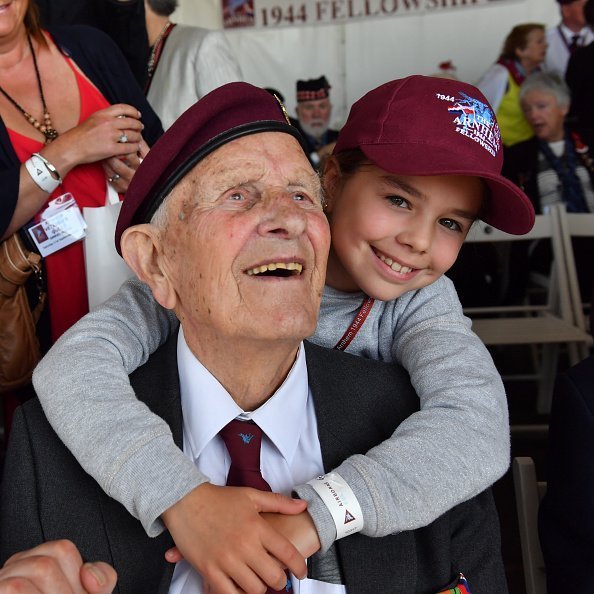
(241, 539)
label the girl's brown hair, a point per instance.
(518, 39)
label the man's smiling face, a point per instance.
(246, 242)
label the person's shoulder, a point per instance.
(193, 33)
(332, 135)
(331, 360)
(495, 72)
(80, 33)
(369, 382)
(74, 39)
(583, 57)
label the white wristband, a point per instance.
(341, 503)
(40, 174)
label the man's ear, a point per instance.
(143, 252)
(332, 181)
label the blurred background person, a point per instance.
(314, 110)
(555, 166)
(580, 79)
(523, 52)
(58, 107)
(122, 20)
(70, 120)
(185, 63)
(570, 34)
(566, 514)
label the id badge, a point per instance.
(60, 225)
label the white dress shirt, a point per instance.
(559, 38)
(290, 452)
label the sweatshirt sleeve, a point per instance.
(453, 448)
(83, 387)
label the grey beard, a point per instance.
(315, 131)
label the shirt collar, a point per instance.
(207, 407)
(568, 33)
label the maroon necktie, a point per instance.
(244, 440)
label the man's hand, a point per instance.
(299, 529)
(220, 532)
(55, 567)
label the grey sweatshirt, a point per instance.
(452, 449)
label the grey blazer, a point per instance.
(46, 494)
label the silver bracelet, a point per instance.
(41, 175)
(53, 171)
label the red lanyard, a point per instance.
(352, 330)
(155, 55)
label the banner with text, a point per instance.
(293, 13)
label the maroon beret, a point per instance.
(423, 125)
(229, 112)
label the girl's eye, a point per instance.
(399, 201)
(451, 224)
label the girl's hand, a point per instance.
(221, 533)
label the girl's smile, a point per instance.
(392, 234)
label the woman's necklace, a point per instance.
(46, 128)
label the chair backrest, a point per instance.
(546, 227)
(529, 492)
(575, 225)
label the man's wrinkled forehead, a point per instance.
(247, 161)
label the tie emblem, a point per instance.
(246, 437)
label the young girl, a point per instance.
(416, 162)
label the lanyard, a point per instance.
(574, 44)
(356, 325)
(155, 55)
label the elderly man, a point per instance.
(227, 190)
(314, 110)
(570, 34)
(580, 79)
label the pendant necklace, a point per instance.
(46, 128)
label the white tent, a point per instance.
(360, 54)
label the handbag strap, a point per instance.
(17, 263)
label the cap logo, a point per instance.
(475, 120)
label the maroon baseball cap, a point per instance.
(229, 112)
(422, 125)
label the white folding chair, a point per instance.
(529, 493)
(576, 225)
(548, 325)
